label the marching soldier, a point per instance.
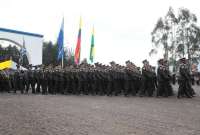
(163, 78)
(38, 79)
(184, 80)
(32, 79)
(16, 79)
(21, 81)
(26, 80)
(129, 86)
(7, 84)
(44, 81)
(146, 78)
(168, 81)
(152, 82)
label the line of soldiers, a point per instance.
(96, 79)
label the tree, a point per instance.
(69, 56)
(9, 52)
(180, 36)
(50, 53)
(162, 34)
(188, 36)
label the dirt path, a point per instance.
(98, 115)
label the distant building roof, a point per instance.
(21, 32)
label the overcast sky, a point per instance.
(122, 27)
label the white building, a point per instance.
(32, 42)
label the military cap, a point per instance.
(165, 61)
(182, 60)
(161, 61)
(112, 62)
(145, 61)
(128, 61)
(97, 63)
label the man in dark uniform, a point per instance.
(75, 81)
(192, 79)
(16, 79)
(183, 79)
(174, 78)
(53, 81)
(5, 80)
(44, 81)
(61, 81)
(27, 80)
(21, 81)
(138, 85)
(65, 77)
(128, 79)
(163, 78)
(56, 80)
(85, 80)
(109, 81)
(198, 79)
(168, 82)
(50, 81)
(80, 78)
(145, 78)
(1, 81)
(68, 80)
(32, 79)
(152, 82)
(91, 80)
(38, 79)
(12, 79)
(115, 76)
(98, 81)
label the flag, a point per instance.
(22, 52)
(60, 41)
(23, 49)
(92, 49)
(78, 45)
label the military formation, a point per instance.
(99, 79)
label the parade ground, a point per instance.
(30, 114)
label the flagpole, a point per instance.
(62, 61)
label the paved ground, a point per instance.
(98, 115)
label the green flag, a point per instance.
(92, 51)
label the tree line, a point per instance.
(12, 52)
(50, 53)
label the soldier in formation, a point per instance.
(149, 80)
(164, 77)
(185, 89)
(84, 79)
(97, 79)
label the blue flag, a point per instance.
(61, 41)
